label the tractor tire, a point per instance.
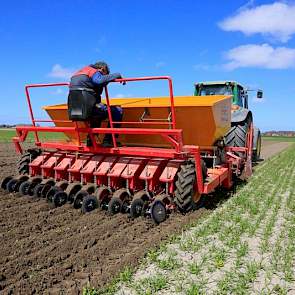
(25, 159)
(185, 184)
(256, 145)
(237, 135)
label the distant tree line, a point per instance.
(279, 133)
(13, 126)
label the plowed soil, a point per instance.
(58, 251)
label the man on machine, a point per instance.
(84, 100)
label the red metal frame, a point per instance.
(109, 166)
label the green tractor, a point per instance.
(241, 115)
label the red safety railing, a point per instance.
(174, 138)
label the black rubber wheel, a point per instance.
(237, 135)
(24, 187)
(89, 204)
(103, 195)
(257, 150)
(115, 206)
(51, 192)
(60, 198)
(137, 208)
(11, 185)
(73, 192)
(32, 187)
(124, 195)
(5, 181)
(184, 192)
(158, 211)
(45, 189)
(37, 190)
(25, 159)
(79, 197)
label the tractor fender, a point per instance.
(240, 115)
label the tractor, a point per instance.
(241, 116)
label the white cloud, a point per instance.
(276, 20)
(261, 56)
(60, 72)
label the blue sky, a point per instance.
(251, 42)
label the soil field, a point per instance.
(58, 251)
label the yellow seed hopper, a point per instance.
(203, 119)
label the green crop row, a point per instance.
(245, 246)
(7, 135)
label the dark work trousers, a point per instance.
(100, 113)
(85, 106)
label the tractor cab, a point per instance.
(237, 91)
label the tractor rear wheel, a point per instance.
(185, 195)
(256, 145)
(26, 159)
(237, 135)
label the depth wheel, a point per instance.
(73, 192)
(60, 198)
(11, 184)
(185, 195)
(32, 187)
(103, 195)
(115, 206)
(139, 204)
(24, 188)
(158, 211)
(79, 197)
(51, 192)
(37, 190)
(136, 208)
(89, 204)
(45, 189)
(5, 182)
(124, 195)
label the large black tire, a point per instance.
(184, 192)
(237, 135)
(256, 145)
(25, 159)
